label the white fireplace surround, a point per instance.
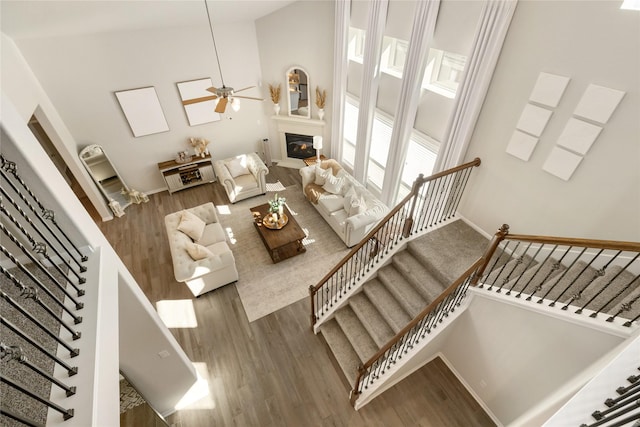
(300, 126)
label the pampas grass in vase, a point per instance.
(274, 91)
(321, 99)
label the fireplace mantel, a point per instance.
(297, 125)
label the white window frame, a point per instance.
(354, 102)
(357, 38)
(440, 67)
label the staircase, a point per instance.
(413, 279)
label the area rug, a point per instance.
(265, 287)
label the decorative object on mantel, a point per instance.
(274, 91)
(226, 94)
(321, 99)
(199, 146)
(317, 144)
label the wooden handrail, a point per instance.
(570, 241)
(420, 181)
(422, 314)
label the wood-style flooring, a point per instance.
(273, 371)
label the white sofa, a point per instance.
(242, 176)
(351, 210)
(217, 266)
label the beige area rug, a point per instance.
(265, 287)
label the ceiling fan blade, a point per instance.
(212, 89)
(222, 105)
(244, 88)
(201, 99)
(248, 97)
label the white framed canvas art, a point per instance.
(199, 112)
(141, 108)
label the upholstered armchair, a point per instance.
(242, 176)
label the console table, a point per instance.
(179, 176)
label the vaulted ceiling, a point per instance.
(36, 19)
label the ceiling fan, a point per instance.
(225, 94)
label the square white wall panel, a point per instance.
(548, 89)
(578, 136)
(598, 103)
(521, 145)
(533, 119)
(561, 163)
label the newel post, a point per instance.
(493, 245)
(312, 293)
(408, 223)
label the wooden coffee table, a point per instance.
(283, 243)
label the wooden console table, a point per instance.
(179, 176)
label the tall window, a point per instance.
(421, 158)
(379, 150)
(355, 51)
(350, 131)
(443, 72)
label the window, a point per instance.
(379, 150)
(421, 158)
(394, 55)
(350, 131)
(355, 51)
(443, 72)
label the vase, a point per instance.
(276, 108)
(321, 113)
(274, 217)
(280, 210)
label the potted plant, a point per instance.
(274, 91)
(321, 99)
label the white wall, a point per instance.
(591, 42)
(513, 365)
(299, 34)
(19, 145)
(81, 73)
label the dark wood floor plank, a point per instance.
(273, 371)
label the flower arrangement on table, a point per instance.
(275, 205)
(199, 146)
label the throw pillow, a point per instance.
(191, 225)
(351, 193)
(333, 185)
(237, 166)
(321, 175)
(198, 252)
(358, 205)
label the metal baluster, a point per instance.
(41, 234)
(564, 273)
(605, 287)
(599, 273)
(40, 248)
(519, 261)
(71, 371)
(556, 265)
(511, 257)
(448, 184)
(485, 280)
(46, 213)
(9, 413)
(626, 306)
(66, 413)
(15, 353)
(32, 293)
(79, 305)
(72, 351)
(598, 415)
(531, 261)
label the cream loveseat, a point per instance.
(242, 176)
(344, 203)
(201, 257)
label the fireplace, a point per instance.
(299, 146)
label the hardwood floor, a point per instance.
(274, 371)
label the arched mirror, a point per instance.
(106, 177)
(298, 85)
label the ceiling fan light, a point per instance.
(235, 104)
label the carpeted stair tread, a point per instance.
(342, 350)
(450, 250)
(564, 285)
(419, 276)
(392, 312)
(371, 319)
(535, 277)
(502, 274)
(631, 302)
(615, 281)
(402, 290)
(356, 333)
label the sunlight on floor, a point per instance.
(177, 313)
(223, 209)
(229, 232)
(277, 186)
(198, 396)
(307, 241)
